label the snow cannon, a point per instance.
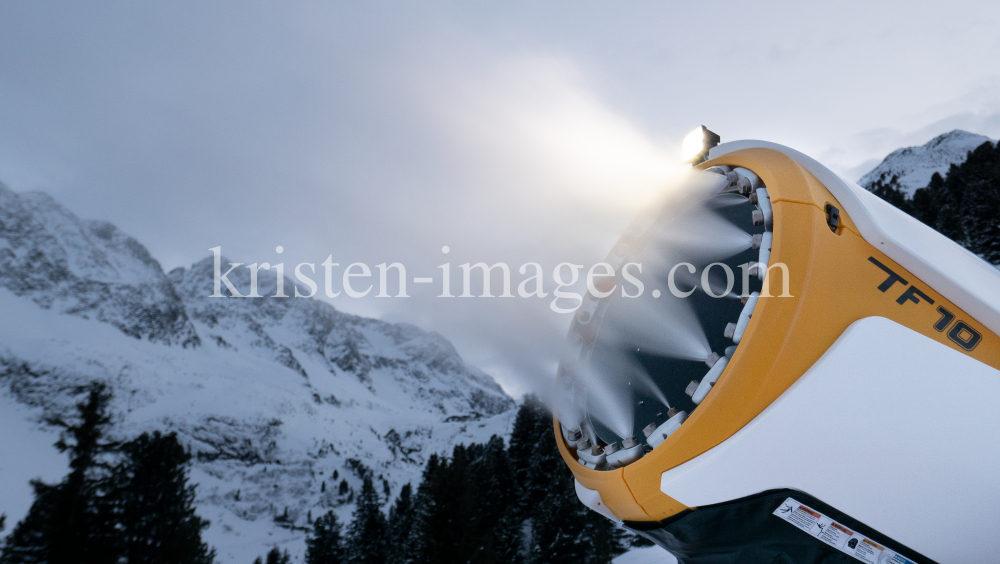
(809, 374)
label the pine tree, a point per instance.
(949, 201)
(366, 535)
(447, 526)
(891, 192)
(31, 539)
(533, 462)
(424, 526)
(458, 504)
(564, 531)
(72, 522)
(325, 545)
(522, 438)
(401, 517)
(275, 556)
(924, 204)
(499, 530)
(981, 217)
(560, 528)
(157, 515)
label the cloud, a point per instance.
(976, 110)
(510, 132)
(551, 174)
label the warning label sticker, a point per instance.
(836, 535)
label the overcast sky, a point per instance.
(509, 131)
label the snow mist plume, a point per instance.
(675, 242)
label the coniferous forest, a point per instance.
(963, 205)
(485, 503)
(121, 502)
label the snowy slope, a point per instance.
(914, 166)
(646, 555)
(272, 395)
(27, 454)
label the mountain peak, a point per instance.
(913, 166)
(86, 268)
(955, 135)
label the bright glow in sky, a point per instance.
(510, 131)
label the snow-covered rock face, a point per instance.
(914, 166)
(322, 345)
(86, 268)
(273, 395)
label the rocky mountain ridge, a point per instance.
(86, 268)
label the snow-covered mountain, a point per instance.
(86, 268)
(914, 166)
(274, 396)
